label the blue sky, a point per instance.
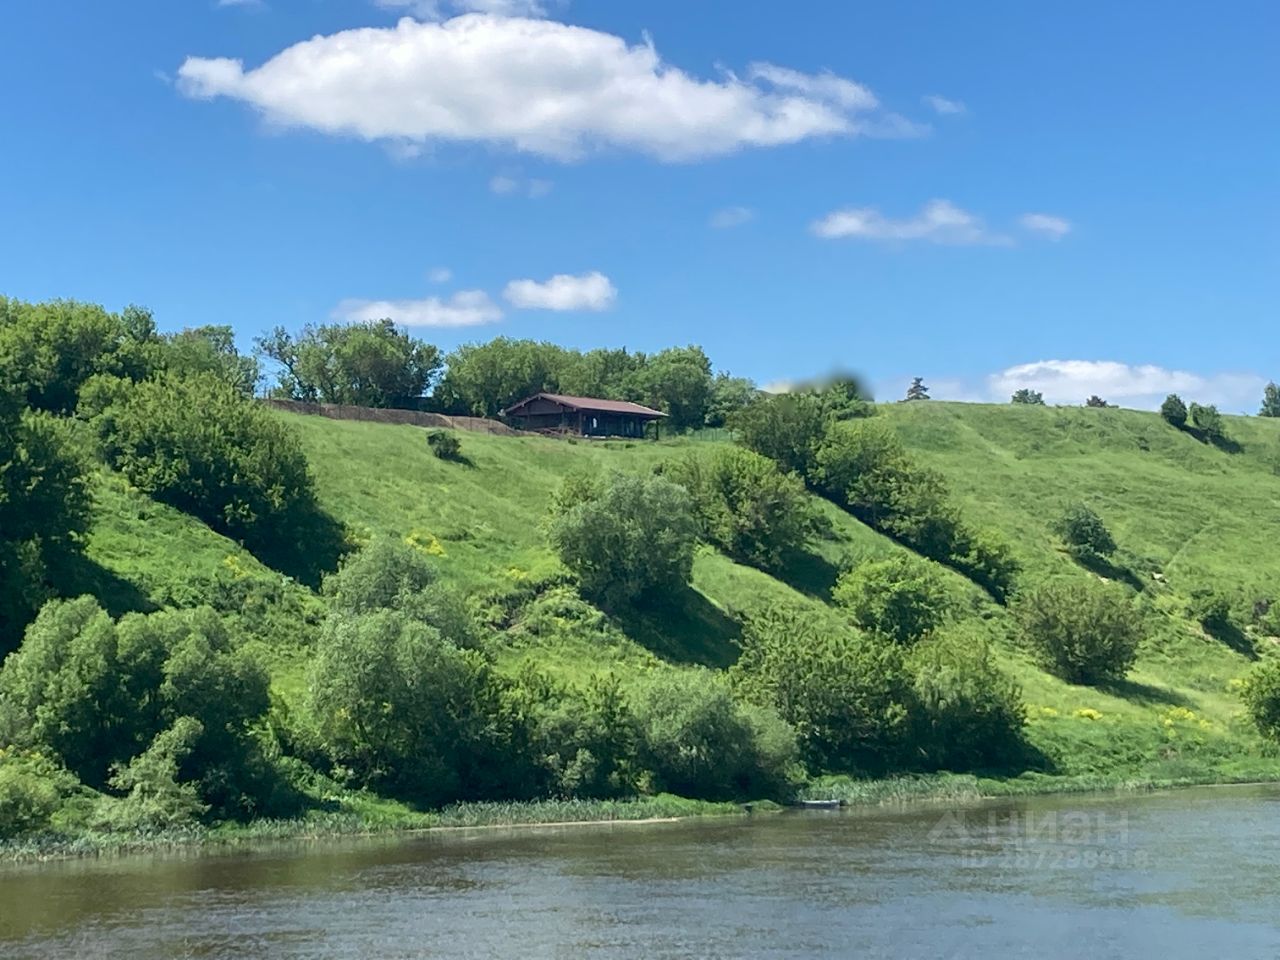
(1078, 197)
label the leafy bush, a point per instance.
(1084, 533)
(1211, 609)
(1096, 401)
(154, 797)
(1208, 421)
(404, 710)
(32, 789)
(970, 714)
(745, 505)
(94, 694)
(1083, 632)
(1270, 400)
(444, 444)
(201, 446)
(1174, 410)
(787, 428)
(1028, 396)
(44, 510)
(1261, 695)
(987, 560)
(696, 741)
(632, 537)
(900, 599)
(847, 696)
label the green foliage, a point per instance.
(1084, 632)
(44, 510)
(210, 350)
(95, 694)
(391, 575)
(678, 382)
(1096, 401)
(200, 445)
(403, 709)
(1174, 410)
(917, 390)
(1028, 396)
(1211, 609)
(1208, 421)
(445, 444)
(745, 504)
(48, 350)
(154, 797)
(1084, 533)
(900, 599)
(728, 396)
(1261, 694)
(847, 696)
(970, 714)
(32, 789)
(634, 539)
(696, 741)
(367, 364)
(483, 379)
(1270, 400)
(787, 428)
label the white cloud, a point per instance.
(732, 217)
(537, 86)
(502, 184)
(590, 291)
(1143, 386)
(439, 274)
(506, 184)
(943, 106)
(1055, 228)
(466, 308)
(435, 9)
(939, 221)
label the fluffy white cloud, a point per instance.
(943, 106)
(1143, 385)
(466, 308)
(1055, 228)
(538, 86)
(939, 221)
(590, 291)
(732, 217)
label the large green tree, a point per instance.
(370, 364)
(44, 510)
(483, 379)
(1270, 401)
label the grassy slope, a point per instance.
(1193, 512)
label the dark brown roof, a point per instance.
(589, 404)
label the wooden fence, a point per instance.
(417, 418)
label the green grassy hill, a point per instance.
(1186, 515)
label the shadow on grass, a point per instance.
(1223, 443)
(1111, 571)
(314, 545)
(810, 574)
(684, 628)
(74, 575)
(1232, 636)
(1146, 694)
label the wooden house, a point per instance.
(581, 416)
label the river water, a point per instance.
(1189, 873)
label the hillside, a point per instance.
(1192, 514)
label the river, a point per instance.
(1188, 873)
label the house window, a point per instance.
(594, 423)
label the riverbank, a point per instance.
(384, 820)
